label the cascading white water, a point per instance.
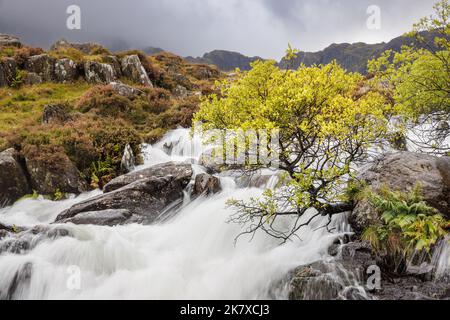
(191, 256)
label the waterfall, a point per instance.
(193, 255)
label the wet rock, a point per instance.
(146, 199)
(96, 72)
(42, 65)
(8, 69)
(341, 278)
(206, 184)
(21, 239)
(63, 177)
(180, 171)
(9, 41)
(102, 218)
(13, 179)
(133, 70)
(20, 280)
(66, 70)
(402, 171)
(128, 160)
(55, 114)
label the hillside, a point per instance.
(79, 106)
(225, 60)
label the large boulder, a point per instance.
(104, 217)
(66, 70)
(9, 41)
(132, 69)
(63, 176)
(181, 171)
(206, 184)
(8, 69)
(96, 72)
(402, 171)
(42, 65)
(140, 197)
(32, 78)
(13, 180)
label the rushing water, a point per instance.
(192, 255)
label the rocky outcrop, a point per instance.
(128, 160)
(9, 41)
(32, 78)
(125, 90)
(141, 197)
(63, 177)
(180, 171)
(66, 70)
(115, 63)
(132, 69)
(206, 184)
(96, 72)
(55, 114)
(8, 69)
(13, 180)
(104, 217)
(42, 65)
(402, 171)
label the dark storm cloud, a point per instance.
(192, 27)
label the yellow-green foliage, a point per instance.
(419, 78)
(409, 224)
(324, 128)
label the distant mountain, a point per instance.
(225, 60)
(353, 57)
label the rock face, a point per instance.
(133, 70)
(66, 70)
(47, 181)
(96, 72)
(180, 171)
(124, 90)
(402, 171)
(13, 181)
(42, 65)
(128, 160)
(144, 195)
(32, 78)
(9, 41)
(104, 217)
(8, 69)
(206, 184)
(338, 279)
(55, 114)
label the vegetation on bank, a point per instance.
(100, 120)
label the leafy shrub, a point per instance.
(409, 226)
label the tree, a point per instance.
(420, 79)
(325, 128)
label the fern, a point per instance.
(408, 224)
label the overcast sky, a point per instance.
(193, 27)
